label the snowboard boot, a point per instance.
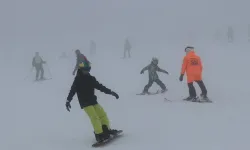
(109, 131)
(101, 137)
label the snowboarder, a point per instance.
(153, 76)
(84, 85)
(38, 62)
(127, 48)
(192, 66)
(79, 59)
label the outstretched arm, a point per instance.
(144, 69)
(101, 87)
(161, 70)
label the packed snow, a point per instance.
(34, 116)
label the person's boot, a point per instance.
(109, 131)
(101, 137)
(191, 98)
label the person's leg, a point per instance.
(161, 84)
(150, 83)
(94, 118)
(102, 115)
(203, 88)
(192, 91)
(37, 72)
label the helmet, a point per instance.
(77, 51)
(84, 66)
(155, 60)
(189, 48)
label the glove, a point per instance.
(74, 73)
(68, 106)
(142, 72)
(115, 95)
(181, 77)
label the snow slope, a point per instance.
(33, 115)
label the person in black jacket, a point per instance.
(84, 85)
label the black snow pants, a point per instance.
(192, 91)
(157, 81)
(39, 69)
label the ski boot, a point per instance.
(163, 90)
(101, 137)
(145, 92)
(109, 131)
(205, 98)
(192, 99)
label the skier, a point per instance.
(38, 62)
(127, 48)
(84, 85)
(192, 66)
(153, 76)
(79, 59)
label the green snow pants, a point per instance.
(97, 116)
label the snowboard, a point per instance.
(105, 142)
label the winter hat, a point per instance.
(85, 66)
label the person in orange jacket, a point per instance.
(192, 66)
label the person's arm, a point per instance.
(144, 69)
(104, 89)
(72, 91)
(161, 70)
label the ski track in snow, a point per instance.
(33, 114)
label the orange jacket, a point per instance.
(191, 64)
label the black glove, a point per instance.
(142, 72)
(181, 77)
(68, 106)
(115, 95)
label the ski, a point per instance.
(152, 93)
(42, 79)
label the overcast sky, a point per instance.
(67, 24)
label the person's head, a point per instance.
(77, 52)
(37, 53)
(155, 61)
(189, 49)
(84, 67)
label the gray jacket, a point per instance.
(152, 71)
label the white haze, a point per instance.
(33, 115)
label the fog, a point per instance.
(155, 28)
(59, 25)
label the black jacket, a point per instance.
(84, 86)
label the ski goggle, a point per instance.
(188, 49)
